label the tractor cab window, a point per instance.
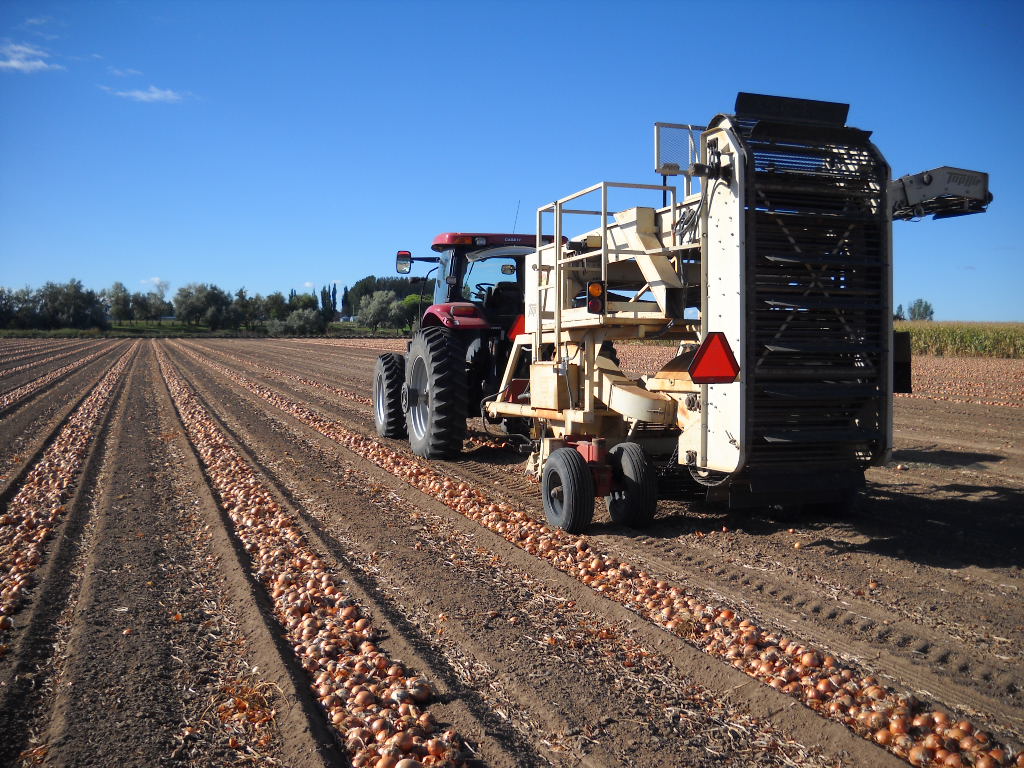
(486, 276)
(443, 291)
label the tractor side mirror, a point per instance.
(403, 262)
(508, 269)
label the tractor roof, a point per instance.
(447, 240)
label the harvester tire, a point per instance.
(568, 490)
(388, 378)
(634, 497)
(435, 381)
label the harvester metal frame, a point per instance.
(789, 240)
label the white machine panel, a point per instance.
(722, 442)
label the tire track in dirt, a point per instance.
(395, 541)
(453, 493)
(869, 634)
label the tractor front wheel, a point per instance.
(568, 490)
(435, 393)
(388, 377)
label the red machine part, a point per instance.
(595, 453)
(714, 362)
(447, 240)
(456, 314)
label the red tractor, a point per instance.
(458, 353)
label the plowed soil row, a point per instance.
(952, 633)
(11, 353)
(143, 641)
(149, 638)
(30, 421)
(490, 617)
(25, 372)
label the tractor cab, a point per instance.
(479, 281)
(485, 270)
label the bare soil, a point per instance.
(146, 637)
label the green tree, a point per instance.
(7, 307)
(158, 306)
(70, 305)
(25, 307)
(921, 310)
(305, 322)
(326, 307)
(409, 312)
(186, 307)
(120, 302)
(217, 310)
(899, 315)
(375, 310)
(276, 306)
(302, 301)
(141, 308)
(242, 307)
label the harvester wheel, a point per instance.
(634, 496)
(435, 389)
(568, 490)
(388, 378)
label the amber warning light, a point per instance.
(595, 297)
(714, 362)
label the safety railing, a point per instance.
(559, 261)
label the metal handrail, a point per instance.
(558, 209)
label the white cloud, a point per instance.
(24, 58)
(123, 72)
(309, 284)
(152, 94)
(38, 21)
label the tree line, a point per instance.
(71, 305)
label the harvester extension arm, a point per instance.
(941, 192)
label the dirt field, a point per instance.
(207, 557)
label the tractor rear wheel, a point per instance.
(634, 497)
(568, 490)
(388, 378)
(435, 393)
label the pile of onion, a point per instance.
(839, 691)
(377, 706)
(33, 513)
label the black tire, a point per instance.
(435, 380)
(568, 490)
(634, 497)
(388, 378)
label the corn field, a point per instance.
(958, 339)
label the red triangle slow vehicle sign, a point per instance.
(714, 362)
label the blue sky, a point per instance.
(286, 145)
